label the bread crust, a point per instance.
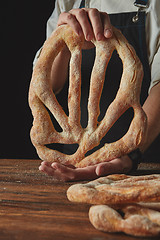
(137, 221)
(117, 189)
(41, 98)
(129, 204)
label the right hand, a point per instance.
(88, 21)
(70, 173)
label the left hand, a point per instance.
(70, 173)
(88, 22)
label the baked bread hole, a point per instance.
(67, 149)
(117, 131)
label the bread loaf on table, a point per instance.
(128, 204)
(137, 220)
(117, 189)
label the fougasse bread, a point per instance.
(117, 189)
(129, 204)
(134, 220)
(42, 99)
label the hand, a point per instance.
(70, 173)
(88, 21)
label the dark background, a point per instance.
(23, 31)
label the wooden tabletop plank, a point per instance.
(33, 205)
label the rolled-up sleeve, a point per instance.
(155, 70)
(153, 41)
(52, 21)
(51, 26)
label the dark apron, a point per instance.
(135, 34)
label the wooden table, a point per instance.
(34, 206)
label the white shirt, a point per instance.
(119, 6)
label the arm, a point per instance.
(58, 77)
(152, 109)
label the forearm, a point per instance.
(59, 71)
(152, 109)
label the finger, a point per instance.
(95, 19)
(64, 173)
(69, 174)
(117, 165)
(46, 163)
(46, 168)
(107, 29)
(113, 166)
(70, 19)
(82, 17)
(86, 173)
(56, 171)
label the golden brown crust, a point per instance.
(117, 189)
(137, 221)
(132, 203)
(42, 96)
